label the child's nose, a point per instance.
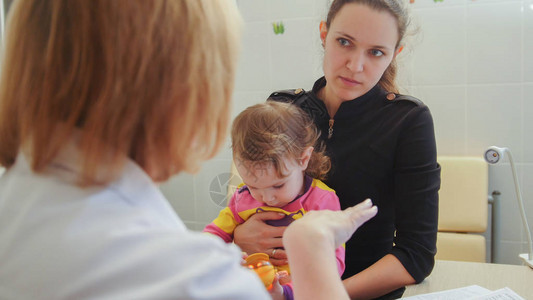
(267, 197)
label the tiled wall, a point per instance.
(473, 65)
(471, 62)
(268, 62)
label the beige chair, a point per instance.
(463, 206)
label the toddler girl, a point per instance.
(273, 150)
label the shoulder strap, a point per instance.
(415, 100)
(294, 96)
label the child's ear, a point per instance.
(306, 157)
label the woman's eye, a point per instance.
(343, 42)
(377, 52)
(279, 186)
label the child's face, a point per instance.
(265, 185)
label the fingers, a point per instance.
(337, 225)
(255, 235)
(268, 241)
(278, 253)
(278, 257)
(267, 215)
(275, 289)
(283, 277)
(263, 245)
(353, 217)
(273, 253)
(275, 232)
(361, 212)
(243, 259)
(278, 262)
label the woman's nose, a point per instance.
(356, 62)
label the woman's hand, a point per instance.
(333, 227)
(255, 236)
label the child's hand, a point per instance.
(276, 289)
(283, 277)
(310, 243)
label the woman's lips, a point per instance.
(349, 82)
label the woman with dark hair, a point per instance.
(381, 145)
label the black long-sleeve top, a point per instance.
(382, 147)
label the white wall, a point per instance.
(471, 63)
(268, 62)
(4, 6)
(473, 66)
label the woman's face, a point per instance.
(359, 45)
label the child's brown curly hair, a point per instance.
(268, 133)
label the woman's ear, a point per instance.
(323, 32)
(306, 157)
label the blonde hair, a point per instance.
(399, 11)
(268, 133)
(151, 80)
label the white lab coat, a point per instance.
(121, 241)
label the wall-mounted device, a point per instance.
(494, 155)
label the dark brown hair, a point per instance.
(399, 11)
(268, 133)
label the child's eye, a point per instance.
(279, 186)
(376, 52)
(343, 42)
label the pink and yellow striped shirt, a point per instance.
(317, 196)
